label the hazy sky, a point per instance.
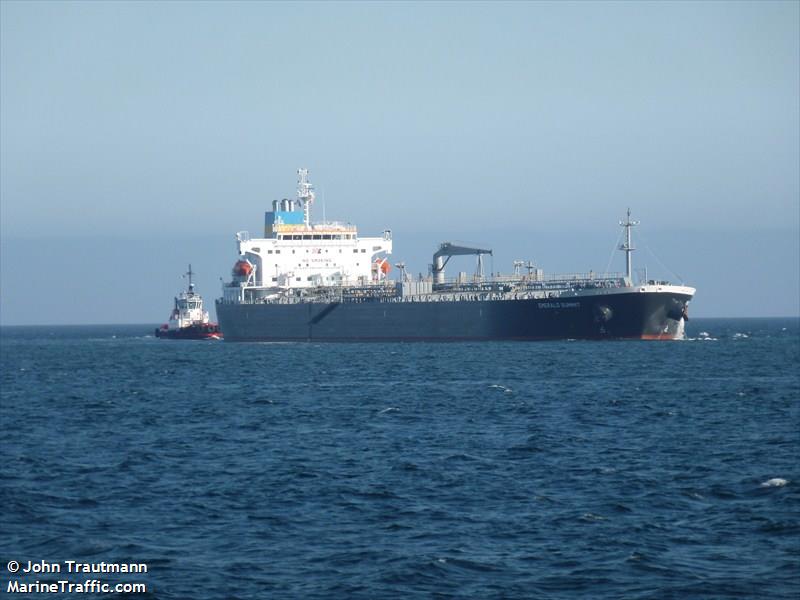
(136, 137)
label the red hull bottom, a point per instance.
(209, 331)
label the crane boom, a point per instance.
(446, 251)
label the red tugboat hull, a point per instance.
(205, 331)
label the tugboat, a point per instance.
(188, 320)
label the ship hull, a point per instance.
(192, 332)
(627, 315)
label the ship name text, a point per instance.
(559, 305)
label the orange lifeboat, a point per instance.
(383, 265)
(242, 268)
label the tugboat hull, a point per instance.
(192, 332)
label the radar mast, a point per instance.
(627, 247)
(305, 194)
(189, 274)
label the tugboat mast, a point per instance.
(190, 273)
(627, 247)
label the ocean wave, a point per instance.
(774, 482)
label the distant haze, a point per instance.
(138, 137)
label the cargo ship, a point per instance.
(188, 319)
(306, 281)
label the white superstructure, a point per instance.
(188, 309)
(296, 253)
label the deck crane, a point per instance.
(446, 251)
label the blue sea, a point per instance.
(548, 470)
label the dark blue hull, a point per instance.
(614, 316)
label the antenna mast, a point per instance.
(305, 194)
(627, 247)
(189, 273)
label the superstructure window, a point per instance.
(355, 250)
(269, 251)
(363, 250)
